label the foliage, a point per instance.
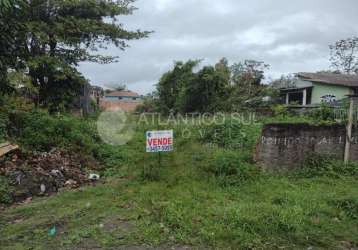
(349, 206)
(280, 110)
(208, 92)
(149, 105)
(325, 165)
(323, 114)
(37, 130)
(231, 168)
(205, 197)
(285, 81)
(230, 132)
(121, 87)
(247, 86)
(61, 87)
(50, 38)
(5, 191)
(3, 126)
(11, 48)
(213, 89)
(344, 55)
(172, 87)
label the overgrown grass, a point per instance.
(37, 130)
(206, 194)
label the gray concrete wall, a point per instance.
(286, 146)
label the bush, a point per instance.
(5, 191)
(231, 168)
(37, 130)
(322, 165)
(280, 110)
(231, 134)
(323, 114)
(4, 121)
(349, 207)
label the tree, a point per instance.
(247, 78)
(344, 55)
(285, 81)
(174, 85)
(181, 90)
(121, 87)
(60, 34)
(209, 91)
(222, 67)
(11, 33)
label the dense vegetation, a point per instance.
(219, 88)
(208, 192)
(43, 42)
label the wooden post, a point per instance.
(349, 130)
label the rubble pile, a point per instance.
(39, 174)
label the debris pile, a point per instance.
(39, 174)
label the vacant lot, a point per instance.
(204, 195)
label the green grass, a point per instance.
(190, 200)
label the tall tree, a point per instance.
(222, 67)
(344, 55)
(62, 33)
(209, 90)
(247, 78)
(173, 87)
(11, 34)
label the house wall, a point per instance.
(299, 83)
(320, 90)
(123, 98)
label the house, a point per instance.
(125, 95)
(126, 100)
(315, 88)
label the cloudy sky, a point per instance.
(291, 36)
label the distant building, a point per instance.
(124, 95)
(315, 88)
(126, 100)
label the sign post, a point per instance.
(159, 141)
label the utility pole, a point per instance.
(349, 129)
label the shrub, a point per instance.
(280, 110)
(38, 130)
(349, 207)
(324, 165)
(231, 168)
(3, 126)
(323, 114)
(231, 134)
(5, 191)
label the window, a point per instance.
(295, 98)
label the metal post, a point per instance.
(349, 130)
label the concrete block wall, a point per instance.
(286, 146)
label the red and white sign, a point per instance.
(160, 141)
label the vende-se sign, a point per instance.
(160, 141)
